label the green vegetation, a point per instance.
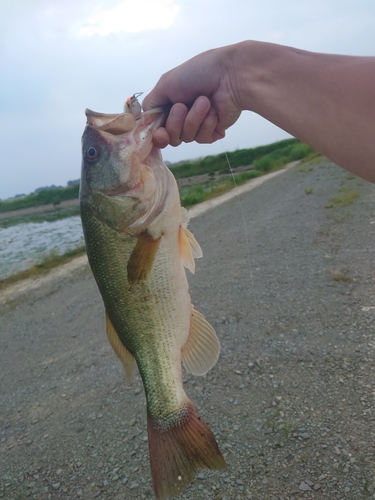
(346, 197)
(37, 217)
(308, 190)
(45, 197)
(282, 152)
(211, 189)
(341, 275)
(51, 260)
(264, 158)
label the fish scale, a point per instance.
(147, 325)
(138, 245)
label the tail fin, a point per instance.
(178, 449)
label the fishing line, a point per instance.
(251, 276)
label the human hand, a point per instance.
(203, 97)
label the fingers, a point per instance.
(206, 133)
(175, 123)
(195, 118)
(161, 138)
(197, 124)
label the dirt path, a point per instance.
(291, 399)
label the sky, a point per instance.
(59, 57)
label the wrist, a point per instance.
(257, 68)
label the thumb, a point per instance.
(154, 99)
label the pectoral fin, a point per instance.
(202, 348)
(185, 216)
(142, 258)
(126, 358)
(189, 248)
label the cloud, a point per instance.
(50, 75)
(123, 17)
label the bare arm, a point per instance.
(327, 101)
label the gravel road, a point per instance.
(291, 399)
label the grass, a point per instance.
(346, 196)
(341, 276)
(38, 217)
(213, 188)
(339, 218)
(308, 190)
(45, 197)
(50, 261)
(264, 159)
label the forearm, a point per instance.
(327, 101)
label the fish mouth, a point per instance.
(122, 123)
(114, 124)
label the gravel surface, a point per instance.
(291, 399)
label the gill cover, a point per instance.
(123, 179)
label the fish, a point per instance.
(138, 246)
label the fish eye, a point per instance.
(91, 153)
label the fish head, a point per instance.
(122, 174)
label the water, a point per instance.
(24, 245)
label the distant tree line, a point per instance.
(263, 158)
(41, 197)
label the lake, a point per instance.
(24, 245)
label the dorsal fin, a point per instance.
(142, 257)
(126, 358)
(202, 348)
(189, 248)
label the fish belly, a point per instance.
(152, 319)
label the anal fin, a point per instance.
(142, 257)
(126, 358)
(202, 349)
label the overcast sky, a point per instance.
(59, 57)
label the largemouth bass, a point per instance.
(138, 245)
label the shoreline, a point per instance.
(13, 291)
(290, 400)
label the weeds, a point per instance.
(51, 260)
(346, 197)
(45, 197)
(341, 276)
(195, 195)
(38, 217)
(308, 190)
(202, 192)
(282, 156)
(337, 218)
(264, 158)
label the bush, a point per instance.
(264, 158)
(195, 194)
(300, 151)
(264, 164)
(45, 197)
(245, 176)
